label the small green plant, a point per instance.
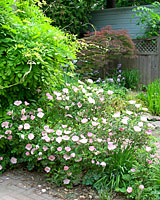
(153, 97)
(131, 80)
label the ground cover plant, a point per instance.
(73, 139)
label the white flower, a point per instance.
(137, 128)
(117, 114)
(132, 102)
(40, 114)
(110, 92)
(90, 81)
(137, 105)
(144, 118)
(129, 112)
(103, 164)
(148, 149)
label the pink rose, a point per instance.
(28, 147)
(129, 189)
(17, 103)
(47, 169)
(13, 160)
(66, 168)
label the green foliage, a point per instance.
(70, 15)
(131, 80)
(153, 96)
(102, 47)
(33, 53)
(149, 18)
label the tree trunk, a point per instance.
(110, 3)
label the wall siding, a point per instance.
(118, 18)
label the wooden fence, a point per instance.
(147, 61)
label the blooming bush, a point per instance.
(75, 139)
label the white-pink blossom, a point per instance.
(31, 136)
(26, 126)
(17, 103)
(47, 169)
(13, 160)
(40, 114)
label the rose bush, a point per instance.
(73, 138)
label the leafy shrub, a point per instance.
(101, 48)
(74, 136)
(33, 53)
(153, 96)
(71, 15)
(149, 18)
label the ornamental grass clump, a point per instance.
(74, 140)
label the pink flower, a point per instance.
(149, 161)
(110, 92)
(95, 123)
(26, 126)
(91, 148)
(9, 137)
(40, 114)
(8, 132)
(65, 90)
(31, 136)
(66, 157)
(65, 137)
(111, 146)
(13, 160)
(10, 112)
(79, 105)
(116, 115)
(66, 181)
(69, 173)
(23, 117)
(78, 160)
(89, 134)
(64, 126)
(75, 88)
(17, 103)
(129, 189)
(1, 158)
(45, 148)
(67, 107)
(59, 139)
(148, 149)
(75, 138)
(90, 140)
(28, 147)
(47, 169)
(91, 100)
(26, 103)
(137, 128)
(50, 97)
(58, 132)
(101, 98)
(20, 127)
(46, 138)
(73, 155)
(32, 117)
(66, 168)
(59, 149)
(59, 98)
(68, 149)
(51, 158)
(83, 121)
(103, 164)
(27, 153)
(133, 170)
(1, 167)
(23, 111)
(68, 115)
(141, 187)
(39, 110)
(32, 151)
(5, 124)
(84, 140)
(149, 132)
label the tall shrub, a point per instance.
(33, 53)
(101, 47)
